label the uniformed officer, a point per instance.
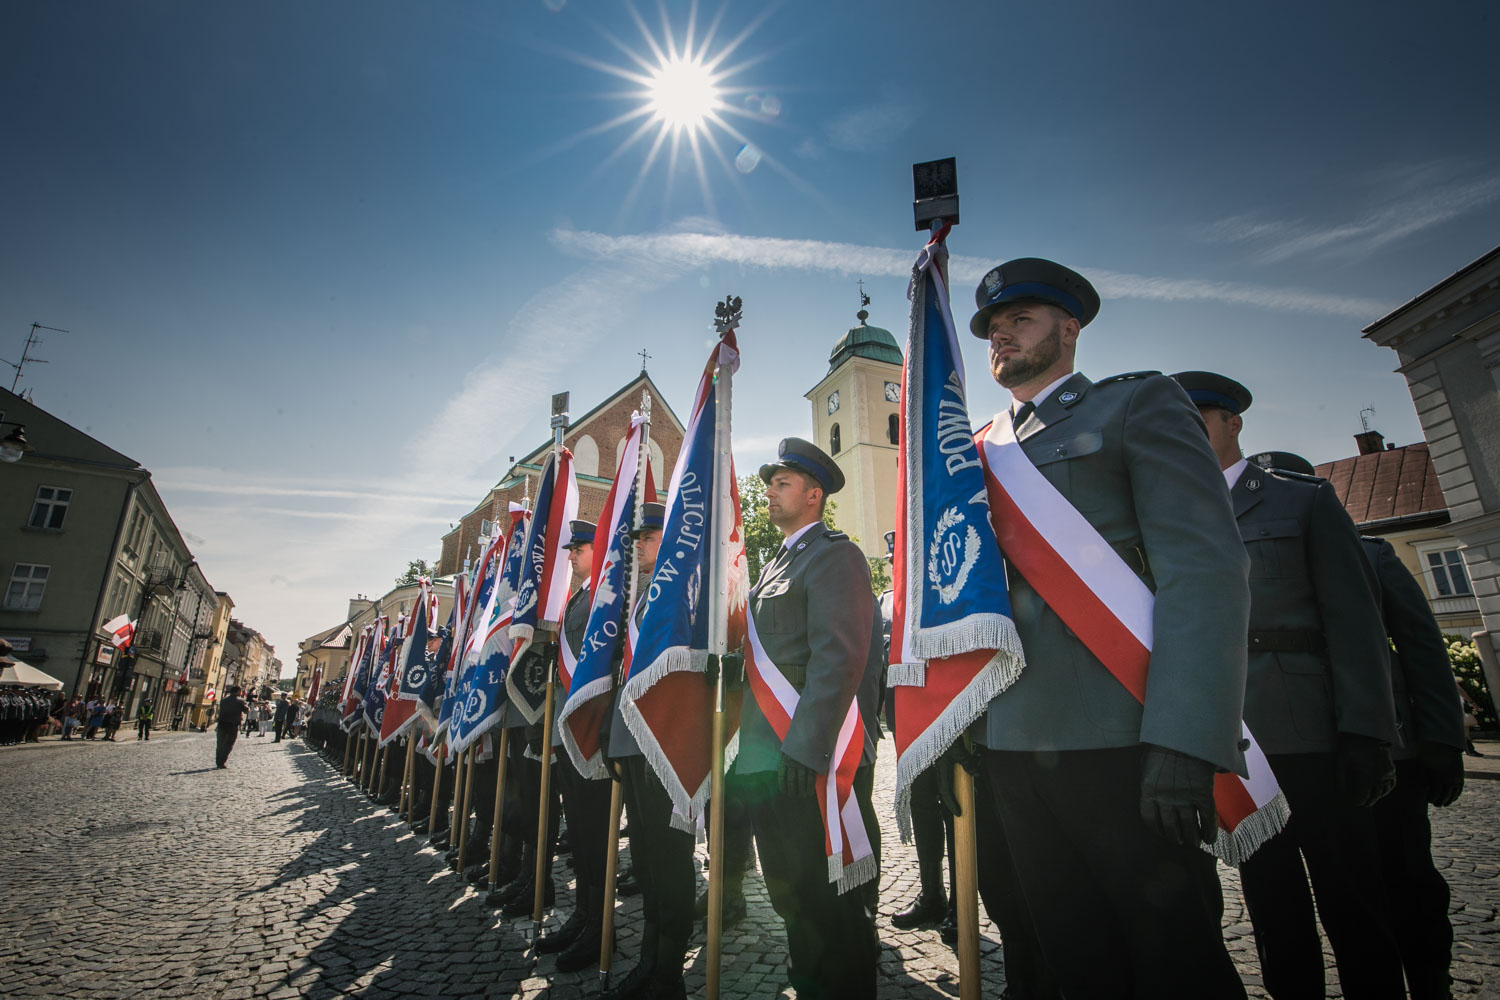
(1318, 701)
(814, 614)
(1429, 770)
(661, 855)
(585, 801)
(1103, 799)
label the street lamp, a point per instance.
(14, 444)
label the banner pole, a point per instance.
(348, 748)
(405, 805)
(616, 793)
(728, 317)
(463, 830)
(965, 843)
(437, 787)
(544, 815)
(385, 763)
(499, 809)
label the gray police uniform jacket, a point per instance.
(1428, 709)
(1319, 662)
(1132, 455)
(815, 616)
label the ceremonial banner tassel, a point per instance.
(664, 700)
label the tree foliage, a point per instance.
(415, 569)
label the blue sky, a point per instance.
(322, 264)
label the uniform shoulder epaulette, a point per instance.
(1123, 376)
(836, 536)
(1300, 477)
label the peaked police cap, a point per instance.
(808, 459)
(1032, 279)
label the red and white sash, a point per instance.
(851, 858)
(1097, 596)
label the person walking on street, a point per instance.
(112, 719)
(285, 712)
(232, 711)
(143, 719)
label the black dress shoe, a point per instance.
(626, 885)
(439, 839)
(560, 939)
(734, 907)
(524, 903)
(477, 873)
(504, 895)
(635, 985)
(419, 827)
(949, 931)
(928, 909)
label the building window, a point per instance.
(50, 507)
(1446, 573)
(833, 440)
(27, 581)
(893, 429)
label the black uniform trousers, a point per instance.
(227, 735)
(586, 803)
(1418, 893)
(1026, 974)
(831, 943)
(661, 859)
(1342, 857)
(1118, 911)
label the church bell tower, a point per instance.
(855, 410)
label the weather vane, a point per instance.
(727, 314)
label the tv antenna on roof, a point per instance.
(26, 359)
(1364, 417)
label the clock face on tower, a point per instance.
(833, 402)
(893, 391)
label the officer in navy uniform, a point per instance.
(661, 855)
(585, 801)
(1104, 800)
(815, 617)
(1318, 701)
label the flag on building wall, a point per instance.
(121, 631)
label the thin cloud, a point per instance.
(873, 126)
(251, 490)
(1413, 200)
(689, 250)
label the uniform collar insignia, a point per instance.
(1252, 484)
(1067, 397)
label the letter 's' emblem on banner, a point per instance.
(951, 556)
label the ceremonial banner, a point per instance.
(385, 666)
(479, 701)
(543, 592)
(665, 701)
(358, 681)
(411, 672)
(429, 702)
(949, 597)
(315, 686)
(1107, 606)
(589, 681)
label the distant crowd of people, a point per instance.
(23, 713)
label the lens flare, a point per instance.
(682, 94)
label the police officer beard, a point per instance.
(1023, 366)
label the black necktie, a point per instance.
(1026, 410)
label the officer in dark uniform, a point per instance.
(1318, 701)
(661, 855)
(1103, 798)
(585, 801)
(1429, 770)
(815, 617)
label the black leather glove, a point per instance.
(795, 779)
(1177, 797)
(1365, 769)
(959, 753)
(1445, 772)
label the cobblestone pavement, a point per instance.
(138, 870)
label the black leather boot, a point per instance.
(634, 985)
(929, 908)
(560, 939)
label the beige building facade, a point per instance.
(856, 410)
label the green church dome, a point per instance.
(865, 341)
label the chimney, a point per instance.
(357, 605)
(1370, 442)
